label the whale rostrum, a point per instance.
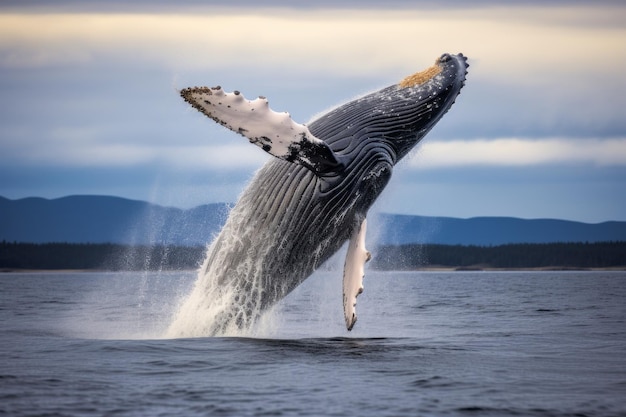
(303, 205)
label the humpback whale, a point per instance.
(304, 204)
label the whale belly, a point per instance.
(282, 228)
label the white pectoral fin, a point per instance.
(353, 273)
(276, 133)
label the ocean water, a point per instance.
(425, 344)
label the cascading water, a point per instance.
(203, 312)
(233, 289)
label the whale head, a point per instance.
(430, 94)
(396, 117)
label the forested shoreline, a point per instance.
(512, 256)
(99, 256)
(116, 257)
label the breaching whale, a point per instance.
(303, 205)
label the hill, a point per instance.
(487, 231)
(105, 219)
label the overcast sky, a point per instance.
(89, 101)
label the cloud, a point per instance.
(507, 42)
(519, 152)
(88, 91)
(535, 70)
(80, 148)
(529, 77)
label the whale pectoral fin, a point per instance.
(353, 273)
(276, 133)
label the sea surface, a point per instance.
(425, 344)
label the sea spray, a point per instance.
(123, 305)
(248, 268)
(221, 303)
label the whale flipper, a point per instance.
(353, 273)
(276, 133)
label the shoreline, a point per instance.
(433, 268)
(524, 269)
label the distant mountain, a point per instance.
(487, 231)
(103, 219)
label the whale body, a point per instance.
(304, 204)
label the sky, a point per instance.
(89, 99)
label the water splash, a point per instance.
(220, 304)
(240, 279)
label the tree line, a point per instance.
(521, 255)
(105, 256)
(403, 257)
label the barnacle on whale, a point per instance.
(420, 77)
